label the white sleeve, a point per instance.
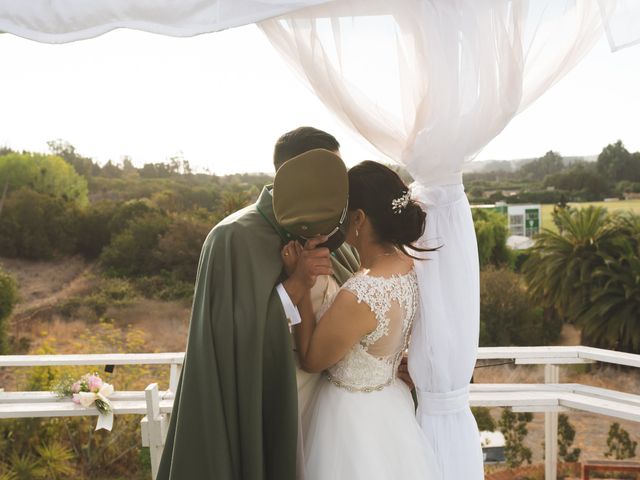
(290, 310)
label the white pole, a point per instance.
(154, 425)
(551, 375)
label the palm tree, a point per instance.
(612, 317)
(560, 270)
(589, 272)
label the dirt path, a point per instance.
(43, 284)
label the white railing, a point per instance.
(549, 397)
(552, 396)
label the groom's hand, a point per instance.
(312, 262)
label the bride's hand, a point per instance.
(290, 255)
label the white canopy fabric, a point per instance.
(430, 83)
(61, 21)
(427, 82)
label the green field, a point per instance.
(633, 205)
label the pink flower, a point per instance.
(95, 383)
(75, 388)
(76, 398)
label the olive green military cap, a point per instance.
(311, 194)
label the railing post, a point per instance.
(153, 428)
(551, 375)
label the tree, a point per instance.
(514, 428)
(589, 272)
(549, 164)
(37, 226)
(566, 435)
(616, 163)
(507, 314)
(484, 419)
(559, 270)
(611, 319)
(8, 300)
(491, 234)
(582, 180)
(179, 247)
(46, 174)
(620, 444)
(130, 252)
(83, 165)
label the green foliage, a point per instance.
(82, 165)
(549, 164)
(589, 272)
(616, 163)
(178, 250)
(37, 226)
(8, 300)
(94, 228)
(46, 174)
(582, 180)
(491, 233)
(566, 435)
(507, 314)
(620, 446)
(113, 292)
(164, 286)
(46, 448)
(483, 419)
(559, 269)
(514, 428)
(130, 252)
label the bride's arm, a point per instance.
(323, 344)
(342, 326)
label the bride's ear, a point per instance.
(357, 218)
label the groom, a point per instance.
(235, 415)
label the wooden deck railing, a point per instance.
(549, 397)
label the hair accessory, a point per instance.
(399, 203)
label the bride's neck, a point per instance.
(372, 252)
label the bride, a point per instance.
(362, 423)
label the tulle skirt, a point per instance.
(372, 436)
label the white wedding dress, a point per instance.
(362, 423)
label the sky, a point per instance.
(221, 100)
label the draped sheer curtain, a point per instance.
(429, 84)
(60, 21)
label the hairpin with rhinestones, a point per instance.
(399, 203)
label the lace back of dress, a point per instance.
(372, 363)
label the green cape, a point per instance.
(235, 412)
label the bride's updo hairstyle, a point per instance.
(384, 198)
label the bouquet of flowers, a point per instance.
(89, 390)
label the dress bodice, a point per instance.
(372, 363)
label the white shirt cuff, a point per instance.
(290, 310)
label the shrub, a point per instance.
(507, 314)
(37, 226)
(8, 300)
(514, 428)
(566, 435)
(44, 445)
(483, 419)
(491, 233)
(130, 252)
(620, 444)
(94, 228)
(178, 250)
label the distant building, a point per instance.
(523, 221)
